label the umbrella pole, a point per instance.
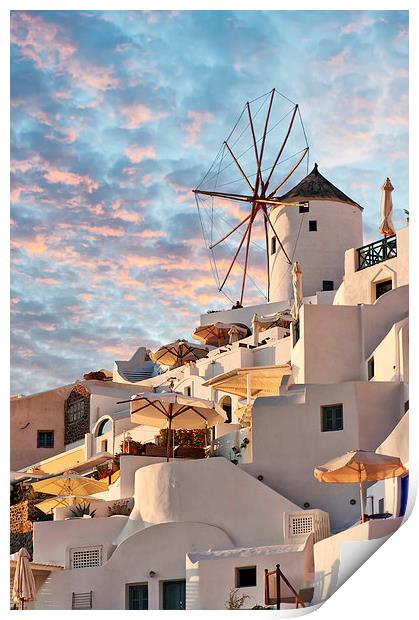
(361, 500)
(168, 433)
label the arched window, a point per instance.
(104, 427)
(226, 405)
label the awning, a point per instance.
(264, 380)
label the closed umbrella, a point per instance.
(24, 582)
(177, 353)
(297, 285)
(386, 225)
(217, 334)
(69, 484)
(359, 466)
(234, 334)
(48, 505)
(174, 411)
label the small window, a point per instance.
(370, 367)
(138, 596)
(332, 418)
(381, 506)
(45, 439)
(187, 391)
(406, 406)
(246, 577)
(304, 208)
(82, 600)
(382, 287)
(328, 285)
(273, 245)
(312, 225)
(104, 427)
(104, 446)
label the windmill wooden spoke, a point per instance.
(252, 129)
(227, 196)
(262, 148)
(247, 255)
(282, 148)
(236, 254)
(239, 167)
(231, 232)
(290, 173)
(265, 223)
(276, 235)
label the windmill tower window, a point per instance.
(304, 209)
(273, 245)
(312, 225)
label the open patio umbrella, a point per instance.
(386, 225)
(68, 484)
(177, 353)
(48, 505)
(24, 582)
(217, 334)
(359, 466)
(297, 285)
(174, 411)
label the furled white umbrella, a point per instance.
(386, 225)
(297, 285)
(234, 334)
(174, 411)
(24, 583)
(359, 466)
(178, 352)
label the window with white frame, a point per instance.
(86, 557)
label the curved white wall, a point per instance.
(322, 253)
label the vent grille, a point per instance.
(82, 600)
(301, 525)
(86, 558)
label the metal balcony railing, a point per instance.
(376, 252)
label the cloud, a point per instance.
(194, 124)
(139, 114)
(54, 175)
(137, 153)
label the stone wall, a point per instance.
(22, 516)
(77, 414)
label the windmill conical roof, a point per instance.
(316, 187)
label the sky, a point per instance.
(117, 115)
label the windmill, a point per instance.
(263, 151)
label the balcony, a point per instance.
(376, 252)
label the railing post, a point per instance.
(278, 587)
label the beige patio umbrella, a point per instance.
(358, 466)
(386, 224)
(297, 285)
(48, 505)
(178, 352)
(69, 484)
(24, 582)
(174, 411)
(217, 334)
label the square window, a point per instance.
(328, 285)
(304, 208)
(246, 577)
(45, 439)
(312, 225)
(382, 287)
(332, 418)
(370, 368)
(273, 245)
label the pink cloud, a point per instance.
(98, 78)
(34, 246)
(137, 153)
(54, 175)
(127, 216)
(193, 126)
(397, 119)
(105, 231)
(139, 114)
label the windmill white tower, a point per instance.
(315, 234)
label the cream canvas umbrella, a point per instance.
(174, 411)
(24, 582)
(68, 484)
(297, 285)
(359, 466)
(178, 352)
(386, 224)
(217, 334)
(48, 505)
